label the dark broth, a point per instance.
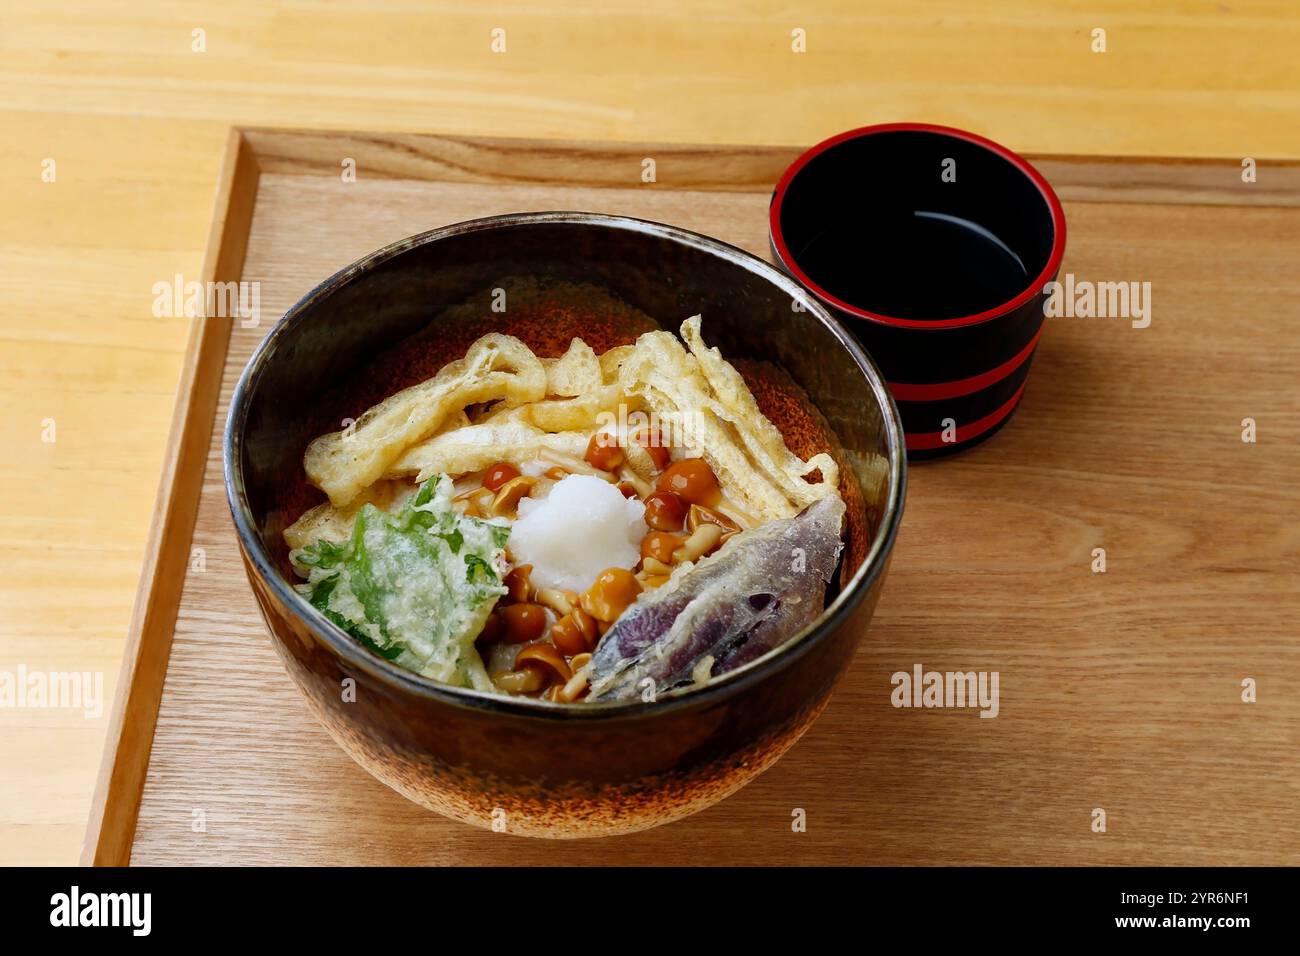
(918, 265)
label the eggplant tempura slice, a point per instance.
(760, 589)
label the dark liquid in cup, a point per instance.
(922, 265)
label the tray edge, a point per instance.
(110, 831)
(725, 167)
(252, 151)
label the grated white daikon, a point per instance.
(582, 527)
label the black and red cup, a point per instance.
(934, 246)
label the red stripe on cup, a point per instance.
(924, 441)
(964, 386)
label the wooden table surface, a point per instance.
(134, 119)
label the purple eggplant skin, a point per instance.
(760, 588)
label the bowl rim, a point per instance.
(258, 561)
(1034, 287)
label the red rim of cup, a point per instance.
(1053, 261)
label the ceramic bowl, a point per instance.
(518, 764)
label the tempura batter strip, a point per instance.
(611, 360)
(730, 432)
(574, 373)
(476, 447)
(582, 413)
(327, 523)
(497, 368)
(756, 428)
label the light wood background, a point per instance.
(136, 122)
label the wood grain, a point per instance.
(727, 168)
(1118, 690)
(117, 794)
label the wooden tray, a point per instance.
(1119, 691)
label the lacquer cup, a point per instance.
(933, 246)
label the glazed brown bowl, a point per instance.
(519, 764)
